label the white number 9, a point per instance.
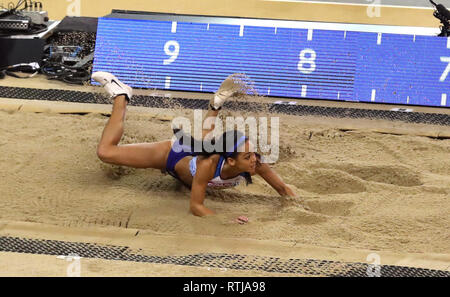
(311, 61)
(172, 49)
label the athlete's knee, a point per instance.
(105, 153)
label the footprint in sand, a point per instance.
(303, 217)
(327, 181)
(294, 214)
(115, 172)
(330, 207)
(387, 174)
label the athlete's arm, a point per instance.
(204, 173)
(272, 178)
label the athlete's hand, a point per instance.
(241, 220)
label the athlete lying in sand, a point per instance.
(227, 166)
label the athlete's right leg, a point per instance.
(225, 91)
(209, 122)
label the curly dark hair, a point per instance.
(226, 145)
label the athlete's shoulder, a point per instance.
(209, 160)
(206, 166)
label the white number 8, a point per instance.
(173, 54)
(311, 61)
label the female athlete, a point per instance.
(231, 162)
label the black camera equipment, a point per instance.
(443, 15)
(69, 53)
(28, 20)
(66, 64)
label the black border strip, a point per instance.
(217, 260)
(162, 102)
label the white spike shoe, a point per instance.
(222, 94)
(112, 85)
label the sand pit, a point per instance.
(365, 190)
(359, 189)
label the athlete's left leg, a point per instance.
(139, 155)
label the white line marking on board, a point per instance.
(402, 109)
(310, 34)
(286, 102)
(444, 100)
(268, 91)
(339, 95)
(276, 29)
(448, 42)
(414, 38)
(167, 83)
(340, 3)
(174, 27)
(241, 31)
(373, 95)
(201, 86)
(345, 34)
(207, 28)
(379, 38)
(304, 89)
(407, 100)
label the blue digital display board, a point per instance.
(283, 62)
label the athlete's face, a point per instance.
(246, 160)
